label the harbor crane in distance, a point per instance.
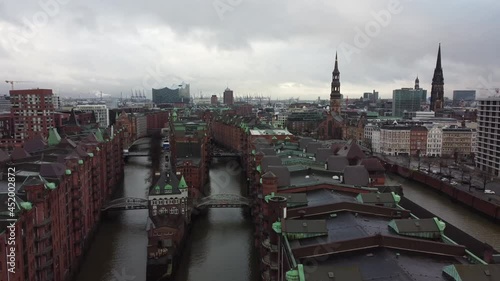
(12, 83)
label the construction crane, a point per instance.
(497, 90)
(12, 82)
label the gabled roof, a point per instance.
(372, 165)
(19, 153)
(475, 272)
(65, 142)
(270, 161)
(282, 173)
(72, 119)
(337, 163)
(52, 170)
(269, 175)
(35, 144)
(54, 137)
(352, 151)
(356, 175)
(322, 154)
(4, 156)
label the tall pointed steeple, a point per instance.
(417, 83)
(335, 95)
(437, 91)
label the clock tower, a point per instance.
(335, 96)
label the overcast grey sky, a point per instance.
(280, 48)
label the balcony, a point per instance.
(44, 222)
(44, 265)
(267, 261)
(44, 236)
(44, 251)
(267, 244)
(266, 276)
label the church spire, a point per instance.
(336, 68)
(335, 95)
(437, 91)
(417, 83)
(438, 61)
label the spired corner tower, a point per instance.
(437, 91)
(335, 96)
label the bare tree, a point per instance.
(485, 178)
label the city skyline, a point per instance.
(76, 49)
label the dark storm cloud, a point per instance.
(279, 48)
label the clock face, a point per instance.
(162, 211)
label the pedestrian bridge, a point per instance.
(140, 147)
(221, 152)
(213, 201)
(127, 203)
(223, 201)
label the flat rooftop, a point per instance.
(378, 264)
(362, 246)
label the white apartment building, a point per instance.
(474, 142)
(375, 138)
(395, 140)
(434, 140)
(368, 131)
(101, 112)
(280, 120)
(488, 136)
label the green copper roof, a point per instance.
(91, 154)
(50, 185)
(54, 137)
(267, 197)
(275, 138)
(98, 149)
(277, 227)
(292, 275)
(98, 135)
(168, 187)
(287, 138)
(68, 172)
(259, 169)
(182, 183)
(80, 162)
(26, 205)
(397, 198)
(253, 151)
(451, 271)
(441, 224)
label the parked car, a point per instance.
(489, 191)
(454, 183)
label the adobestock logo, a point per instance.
(32, 25)
(372, 28)
(222, 7)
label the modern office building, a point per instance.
(466, 96)
(175, 94)
(407, 100)
(101, 112)
(488, 146)
(5, 103)
(228, 97)
(32, 112)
